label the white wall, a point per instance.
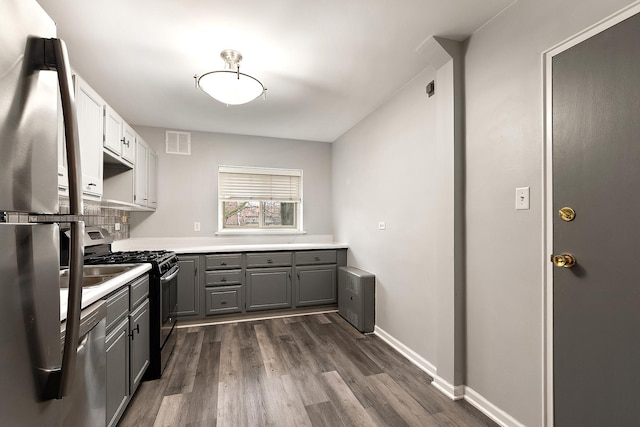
(188, 185)
(384, 170)
(504, 146)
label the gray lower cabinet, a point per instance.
(117, 345)
(139, 333)
(315, 285)
(268, 288)
(237, 282)
(188, 286)
(127, 345)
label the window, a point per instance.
(259, 199)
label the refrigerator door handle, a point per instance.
(63, 377)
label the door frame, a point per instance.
(547, 198)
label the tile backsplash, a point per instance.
(115, 221)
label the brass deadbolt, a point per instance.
(567, 214)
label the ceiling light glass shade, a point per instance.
(230, 86)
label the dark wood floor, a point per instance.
(313, 370)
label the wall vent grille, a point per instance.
(178, 142)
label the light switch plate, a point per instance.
(196, 226)
(522, 198)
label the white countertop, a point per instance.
(95, 293)
(188, 245)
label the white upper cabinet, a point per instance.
(119, 137)
(152, 183)
(146, 183)
(128, 143)
(112, 131)
(141, 193)
(90, 106)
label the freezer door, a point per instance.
(30, 323)
(28, 113)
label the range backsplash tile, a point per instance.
(107, 218)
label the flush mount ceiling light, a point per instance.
(230, 86)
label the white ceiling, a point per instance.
(326, 63)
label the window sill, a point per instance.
(227, 232)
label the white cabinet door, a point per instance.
(112, 131)
(153, 179)
(89, 108)
(128, 143)
(141, 195)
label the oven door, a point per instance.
(168, 303)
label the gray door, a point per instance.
(596, 172)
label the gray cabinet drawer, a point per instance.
(223, 277)
(269, 259)
(213, 262)
(316, 257)
(139, 291)
(117, 307)
(226, 299)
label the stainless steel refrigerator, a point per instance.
(35, 372)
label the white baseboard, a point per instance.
(489, 409)
(452, 392)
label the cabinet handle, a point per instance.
(223, 263)
(91, 184)
(269, 261)
(317, 258)
(298, 275)
(224, 279)
(60, 174)
(223, 302)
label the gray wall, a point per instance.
(504, 148)
(384, 170)
(504, 140)
(188, 185)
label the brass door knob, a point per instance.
(564, 260)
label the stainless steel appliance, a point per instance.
(86, 403)
(163, 292)
(34, 68)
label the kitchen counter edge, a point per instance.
(96, 293)
(199, 249)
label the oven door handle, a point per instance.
(171, 274)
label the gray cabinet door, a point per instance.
(117, 349)
(268, 288)
(315, 285)
(139, 333)
(188, 286)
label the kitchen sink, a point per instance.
(95, 275)
(87, 281)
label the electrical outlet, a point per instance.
(117, 226)
(382, 225)
(196, 226)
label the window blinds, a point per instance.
(241, 183)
